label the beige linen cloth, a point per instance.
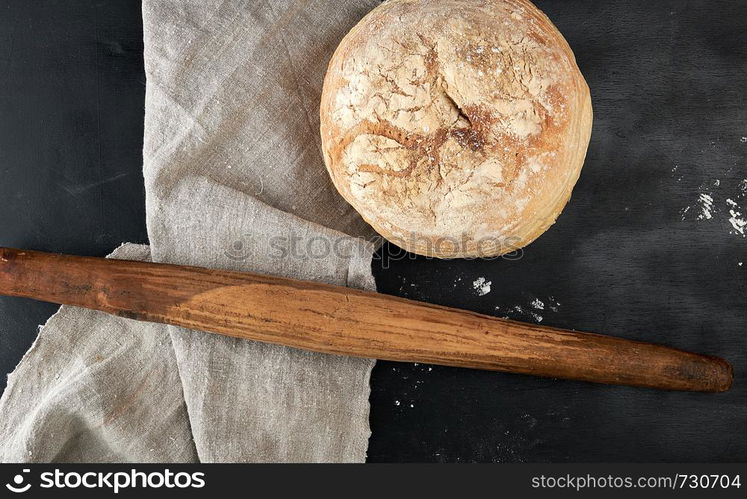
(235, 180)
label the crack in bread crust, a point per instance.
(458, 120)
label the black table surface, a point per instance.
(648, 248)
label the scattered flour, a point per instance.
(674, 171)
(553, 303)
(537, 317)
(532, 310)
(708, 209)
(683, 213)
(531, 313)
(481, 286)
(737, 220)
(706, 206)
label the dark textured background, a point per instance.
(629, 256)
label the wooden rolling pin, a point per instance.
(345, 321)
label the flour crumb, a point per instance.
(481, 286)
(531, 311)
(534, 315)
(683, 213)
(674, 171)
(737, 220)
(553, 303)
(706, 206)
(743, 140)
(396, 402)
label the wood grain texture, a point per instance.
(338, 320)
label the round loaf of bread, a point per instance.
(456, 128)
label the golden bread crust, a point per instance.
(456, 128)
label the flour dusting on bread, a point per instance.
(455, 127)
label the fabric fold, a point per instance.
(239, 183)
(234, 179)
(96, 388)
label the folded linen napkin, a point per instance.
(234, 179)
